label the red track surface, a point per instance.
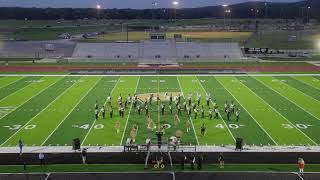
(310, 68)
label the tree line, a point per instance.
(303, 9)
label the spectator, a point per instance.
(41, 159)
(84, 156)
(20, 144)
(301, 166)
(199, 162)
(182, 161)
(192, 161)
(221, 160)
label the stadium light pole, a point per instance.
(175, 6)
(224, 15)
(154, 7)
(265, 9)
(318, 45)
(98, 7)
(308, 13)
(228, 13)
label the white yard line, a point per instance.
(224, 122)
(288, 99)
(194, 131)
(18, 91)
(71, 111)
(143, 75)
(94, 122)
(249, 114)
(37, 114)
(300, 80)
(125, 128)
(30, 98)
(280, 114)
(301, 92)
(12, 82)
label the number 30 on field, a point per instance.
(300, 126)
(87, 126)
(18, 126)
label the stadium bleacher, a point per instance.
(161, 52)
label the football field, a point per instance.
(277, 110)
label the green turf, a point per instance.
(311, 81)
(246, 127)
(16, 86)
(45, 123)
(24, 94)
(5, 81)
(32, 108)
(140, 168)
(213, 135)
(297, 117)
(52, 110)
(306, 102)
(306, 89)
(108, 134)
(267, 117)
(78, 123)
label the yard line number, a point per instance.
(300, 126)
(18, 126)
(87, 126)
(232, 126)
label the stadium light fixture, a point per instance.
(98, 6)
(318, 45)
(175, 3)
(225, 5)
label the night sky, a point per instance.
(136, 4)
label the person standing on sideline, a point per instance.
(111, 112)
(41, 159)
(96, 114)
(96, 106)
(237, 114)
(203, 129)
(103, 112)
(301, 166)
(210, 114)
(20, 144)
(216, 112)
(221, 160)
(84, 156)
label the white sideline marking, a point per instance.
(218, 112)
(288, 98)
(76, 105)
(84, 139)
(36, 115)
(15, 92)
(280, 113)
(248, 113)
(300, 80)
(194, 131)
(142, 75)
(12, 82)
(303, 93)
(29, 98)
(125, 128)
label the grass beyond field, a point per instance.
(206, 36)
(279, 40)
(52, 110)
